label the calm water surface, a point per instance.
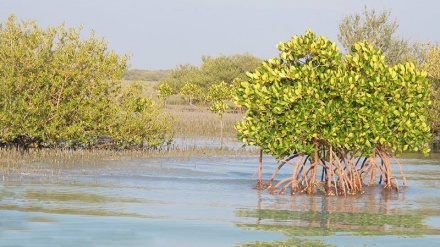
(208, 201)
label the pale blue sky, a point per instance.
(161, 34)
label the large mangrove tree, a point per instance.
(339, 120)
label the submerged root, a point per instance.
(340, 173)
(259, 185)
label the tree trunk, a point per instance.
(260, 171)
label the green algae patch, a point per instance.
(289, 242)
(299, 224)
(71, 211)
(71, 196)
(344, 218)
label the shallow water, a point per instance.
(208, 201)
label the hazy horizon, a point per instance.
(163, 34)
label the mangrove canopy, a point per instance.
(59, 89)
(342, 118)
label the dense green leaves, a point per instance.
(164, 92)
(191, 92)
(218, 94)
(310, 95)
(56, 87)
(139, 122)
(378, 30)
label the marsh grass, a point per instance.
(148, 87)
(45, 164)
(200, 122)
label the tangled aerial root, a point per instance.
(342, 173)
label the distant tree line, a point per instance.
(212, 71)
(145, 75)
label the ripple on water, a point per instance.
(199, 201)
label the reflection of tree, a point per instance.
(375, 214)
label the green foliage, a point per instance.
(432, 64)
(310, 97)
(212, 71)
(378, 30)
(165, 91)
(55, 86)
(218, 94)
(191, 92)
(139, 121)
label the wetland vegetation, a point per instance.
(154, 159)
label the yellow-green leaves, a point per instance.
(311, 95)
(217, 95)
(57, 87)
(191, 92)
(165, 91)
(139, 122)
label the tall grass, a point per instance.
(200, 122)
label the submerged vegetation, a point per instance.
(346, 117)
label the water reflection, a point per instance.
(376, 213)
(205, 201)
